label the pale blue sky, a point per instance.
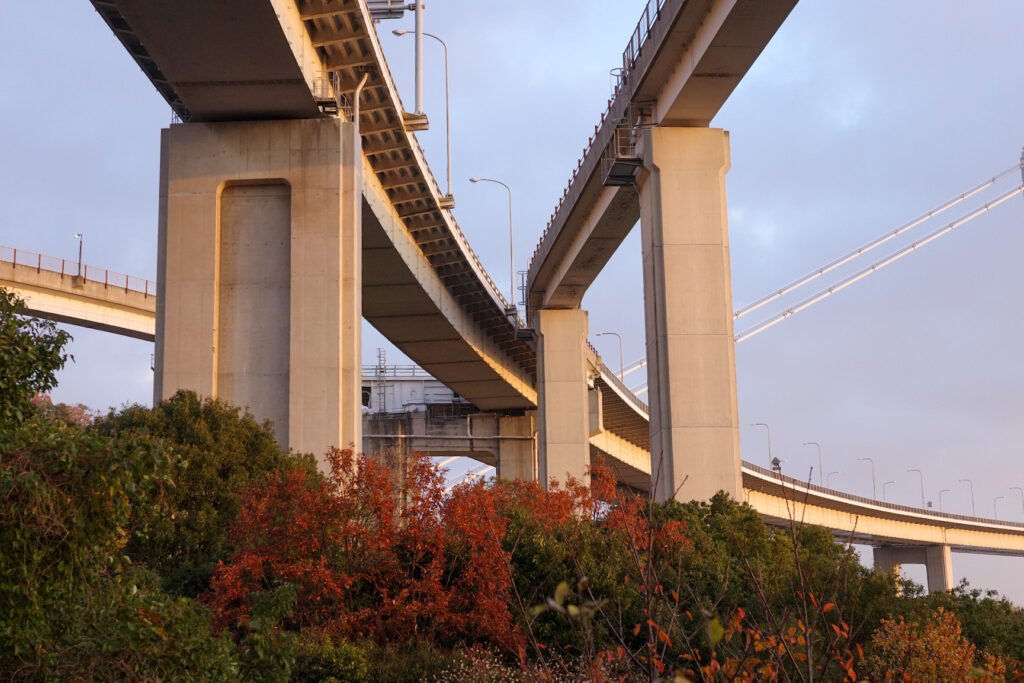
(858, 116)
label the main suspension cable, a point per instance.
(875, 267)
(846, 258)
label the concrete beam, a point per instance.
(691, 370)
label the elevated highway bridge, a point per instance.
(431, 418)
(295, 201)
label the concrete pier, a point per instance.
(688, 310)
(260, 273)
(937, 559)
(563, 406)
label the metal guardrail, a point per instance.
(877, 503)
(70, 268)
(652, 11)
(396, 371)
(608, 376)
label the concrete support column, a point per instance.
(691, 372)
(260, 272)
(563, 409)
(939, 566)
(937, 559)
(517, 448)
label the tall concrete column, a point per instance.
(260, 262)
(517, 452)
(691, 362)
(563, 410)
(937, 559)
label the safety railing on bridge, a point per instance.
(643, 29)
(938, 514)
(608, 376)
(72, 268)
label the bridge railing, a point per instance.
(793, 481)
(643, 29)
(70, 268)
(612, 378)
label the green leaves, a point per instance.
(31, 354)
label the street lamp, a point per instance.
(995, 510)
(883, 488)
(1021, 492)
(762, 424)
(921, 475)
(940, 497)
(821, 470)
(602, 334)
(828, 479)
(874, 490)
(448, 201)
(973, 511)
(79, 236)
(511, 243)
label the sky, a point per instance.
(858, 117)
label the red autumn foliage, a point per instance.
(365, 567)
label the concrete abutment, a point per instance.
(259, 268)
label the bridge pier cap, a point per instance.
(694, 417)
(259, 269)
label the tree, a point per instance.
(31, 354)
(219, 452)
(934, 650)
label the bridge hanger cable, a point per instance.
(846, 258)
(875, 267)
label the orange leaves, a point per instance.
(371, 557)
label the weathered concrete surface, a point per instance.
(239, 319)
(695, 446)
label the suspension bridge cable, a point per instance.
(875, 267)
(846, 258)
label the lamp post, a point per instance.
(828, 479)
(821, 470)
(79, 236)
(921, 475)
(449, 200)
(762, 424)
(940, 497)
(995, 509)
(883, 488)
(971, 483)
(1021, 492)
(511, 243)
(602, 334)
(874, 490)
